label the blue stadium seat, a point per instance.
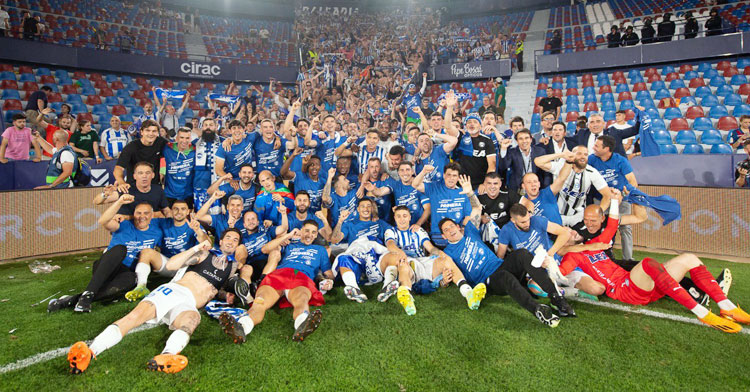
(709, 100)
(662, 137)
(690, 75)
(124, 94)
(671, 113)
(589, 98)
(129, 101)
(110, 78)
(111, 101)
(571, 99)
(609, 115)
(78, 108)
(743, 62)
(733, 100)
(668, 149)
(9, 115)
(556, 86)
(633, 73)
(658, 124)
(690, 101)
(56, 106)
(542, 79)
(652, 112)
(667, 69)
(740, 110)
(724, 90)
(647, 103)
(711, 136)
(126, 118)
(702, 124)
(104, 121)
(572, 107)
(738, 80)
(100, 109)
(643, 94)
(74, 98)
(622, 87)
(675, 84)
(136, 110)
(693, 149)
(721, 149)
(658, 85)
(43, 71)
(636, 79)
(88, 90)
(703, 67)
(661, 94)
(571, 128)
(588, 90)
(571, 81)
(541, 94)
(717, 81)
(10, 94)
(627, 104)
(685, 137)
(7, 75)
(717, 112)
(607, 97)
(607, 106)
(710, 73)
(535, 128)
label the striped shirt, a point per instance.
(412, 243)
(572, 197)
(114, 141)
(363, 156)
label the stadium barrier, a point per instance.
(687, 170)
(714, 220)
(644, 55)
(471, 70)
(44, 222)
(35, 223)
(19, 175)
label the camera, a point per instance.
(745, 165)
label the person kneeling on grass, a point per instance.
(175, 304)
(291, 284)
(408, 263)
(650, 280)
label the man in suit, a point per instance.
(520, 160)
(588, 136)
(558, 141)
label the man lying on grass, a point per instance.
(650, 280)
(175, 304)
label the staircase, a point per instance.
(194, 45)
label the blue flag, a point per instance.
(170, 94)
(666, 206)
(230, 99)
(649, 147)
(459, 96)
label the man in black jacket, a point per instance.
(588, 136)
(555, 43)
(647, 31)
(691, 26)
(630, 38)
(665, 30)
(713, 24)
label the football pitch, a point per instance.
(377, 347)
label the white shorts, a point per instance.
(573, 277)
(170, 300)
(422, 267)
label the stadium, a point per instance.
(420, 195)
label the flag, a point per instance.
(649, 147)
(459, 96)
(666, 206)
(170, 94)
(230, 99)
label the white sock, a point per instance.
(247, 324)
(176, 342)
(569, 292)
(390, 274)
(141, 272)
(301, 319)
(465, 290)
(726, 305)
(108, 338)
(700, 311)
(349, 279)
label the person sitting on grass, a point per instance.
(413, 259)
(291, 285)
(175, 304)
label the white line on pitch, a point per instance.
(647, 312)
(56, 353)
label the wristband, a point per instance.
(614, 208)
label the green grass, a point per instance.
(376, 347)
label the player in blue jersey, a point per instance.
(413, 99)
(302, 213)
(269, 197)
(330, 140)
(269, 149)
(179, 158)
(339, 197)
(447, 199)
(292, 284)
(412, 258)
(241, 152)
(543, 202)
(531, 233)
(502, 277)
(406, 195)
(245, 187)
(373, 178)
(352, 268)
(178, 235)
(112, 274)
(308, 179)
(429, 154)
(175, 304)
(220, 222)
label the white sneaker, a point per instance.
(388, 291)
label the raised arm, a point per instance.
(189, 257)
(418, 182)
(202, 215)
(563, 235)
(476, 206)
(215, 186)
(544, 162)
(557, 185)
(278, 241)
(107, 218)
(337, 235)
(326, 196)
(285, 172)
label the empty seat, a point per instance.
(741, 110)
(694, 112)
(733, 100)
(662, 137)
(668, 149)
(702, 124)
(661, 94)
(696, 82)
(717, 112)
(571, 116)
(723, 91)
(639, 87)
(678, 124)
(711, 136)
(721, 149)
(685, 137)
(727, 123)
(709, 100)
(738, 80)
(693, 149)
(672, 113)
(675, 84)
(625, 95)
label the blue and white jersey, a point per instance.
(347, 202)
(535, 237)
(176, 238)
(363, 156)
(254, 242)
(438, 158)
(238, 155)
(268, 158)
(135, 240)
(307, 259)
(248, 195)
(114, 141)
(366, 254)
(180, 167)
(205, 162)
(475, 260)
(545, 205)
(411, 242)
(373, 230)
(407, 195)
(410, 102)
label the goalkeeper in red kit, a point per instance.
(650, 280)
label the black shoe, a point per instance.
(562, 306)
(66, 301)
(308, 326)
(544, 314)
(241, 289)
(232, 328)
(84, 302)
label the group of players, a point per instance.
(412, 211)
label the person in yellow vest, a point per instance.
(61, 167)
(519, 55)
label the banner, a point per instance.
(16, 175)
(170, 94)
(198, 69)
(43, 222)
(472, 70)
(714, 220)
